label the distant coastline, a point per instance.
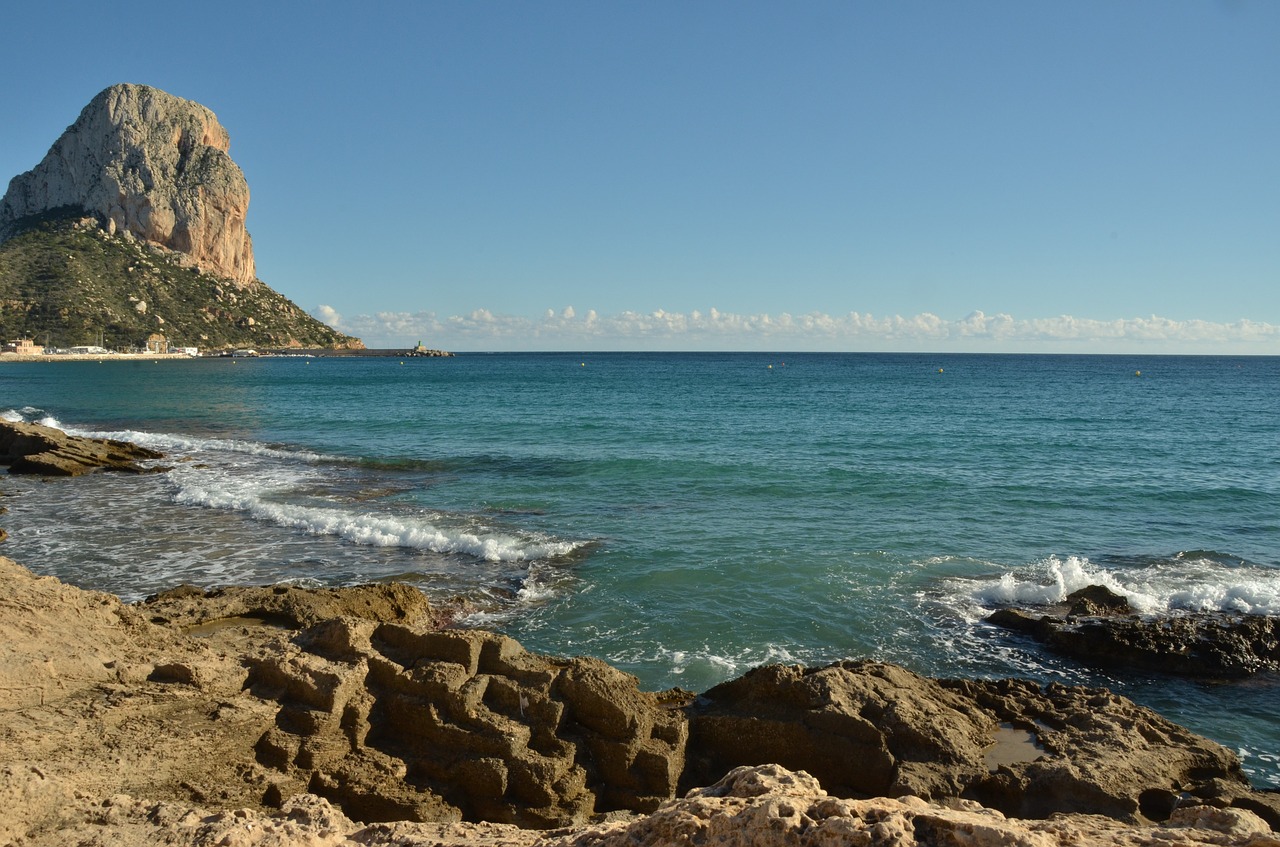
(90, 357)
(328, 353)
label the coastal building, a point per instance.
(23, 347)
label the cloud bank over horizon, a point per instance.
(566, 329)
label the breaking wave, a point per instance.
(1187, 581)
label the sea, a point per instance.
(688, 516)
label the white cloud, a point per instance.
(327, 315)
(713, 329)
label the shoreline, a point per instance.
(364, 711)
(317, 353)
(300, 713)
(92, 357)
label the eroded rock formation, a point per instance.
(205, 702)
(766, 806)
(870, 729)
(1102, 631)
(152, 165)
(36, 449)
(399, 724)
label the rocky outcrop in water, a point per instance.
(35, 449)
(152, 165)
(1106, 634)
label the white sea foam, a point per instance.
(1184, 582)
(706, 665)
(30, 414)
(260, 481)
(169, 442)
(264, 497)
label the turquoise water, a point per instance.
(687, 516)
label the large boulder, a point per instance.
(862, 728)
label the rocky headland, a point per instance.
(153, 165)
(282, 715)
(134, 224)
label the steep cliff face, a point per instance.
(133, 224)
(152, 165)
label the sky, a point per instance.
(926, 176)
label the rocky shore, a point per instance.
(280, 715)
(1098, 627)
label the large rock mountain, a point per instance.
(151, 164)
(138, 204)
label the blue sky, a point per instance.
(1008, 176)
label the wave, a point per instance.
(266, 482)
(30, 414)
(1187, 581)
(269, 501)
(170, 442)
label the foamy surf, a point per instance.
(264, 483)
(274, 498)
(1194, 581)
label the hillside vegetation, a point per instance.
(65, 282)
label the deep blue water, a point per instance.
(687, 516)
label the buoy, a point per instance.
(1137, 373)
(584, 364)
(402, 363)
(771, 367)
(939, 370)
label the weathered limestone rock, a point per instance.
(766, 806)
(152, 165)
(36, 449)
(233, 731)
(395, 723)
(1103, 632)
(289, 605)
(868, 729)
(770, 806)
(861, 728)
(1095, 752)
